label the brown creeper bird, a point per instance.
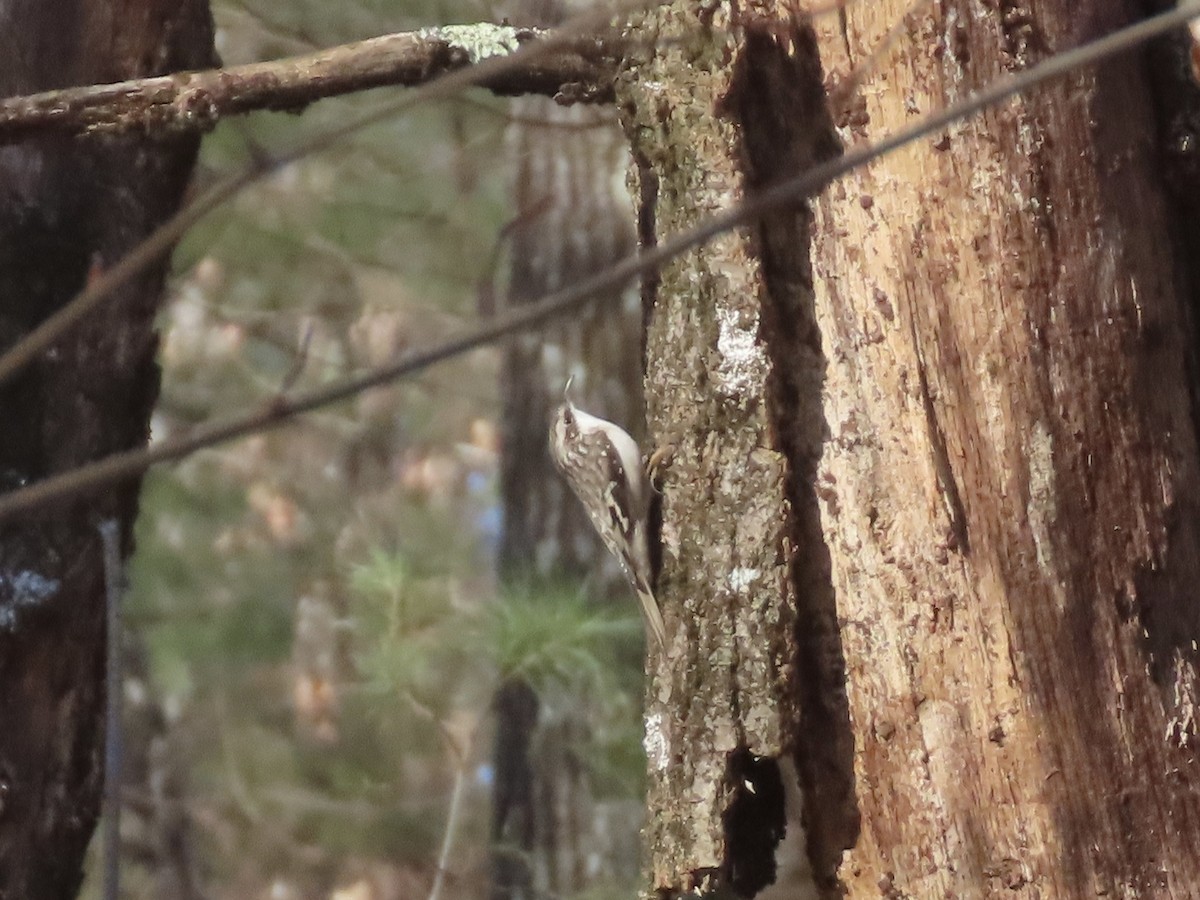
(603, 466)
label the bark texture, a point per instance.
(719, 712)
(1008, 489)
(66, 210)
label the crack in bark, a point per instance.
(947, 484)
(754, 822)
(779, 99)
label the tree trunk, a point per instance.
(69, 208)
(949, 412)
(711, 113)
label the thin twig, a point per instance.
(110, 537)
(460, 749)
(439, 878)
(133, 462)
(299, 361)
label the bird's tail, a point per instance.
(650, 612)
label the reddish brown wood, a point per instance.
(1009, 482)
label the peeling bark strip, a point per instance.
(1006, 353)
(717, 711)
(195, 101)
(66, 210)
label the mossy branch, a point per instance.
(581, 69)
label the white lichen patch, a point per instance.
(656, 743)
(23, 590)
(742, 368)
(479, 42)
(761, 724)
(742, 577)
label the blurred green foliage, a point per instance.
(557, 640)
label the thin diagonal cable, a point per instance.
(133, 462)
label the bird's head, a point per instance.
(565, 423)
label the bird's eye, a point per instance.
(567, 416)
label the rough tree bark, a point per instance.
(718, 708)
(68, 209)
(944, 418)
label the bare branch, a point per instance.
(133, 462)
(580, 69)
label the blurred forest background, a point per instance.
(315, 628)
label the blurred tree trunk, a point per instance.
(68, 208)
(154, 779)
(931, 527)
(573, 218)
